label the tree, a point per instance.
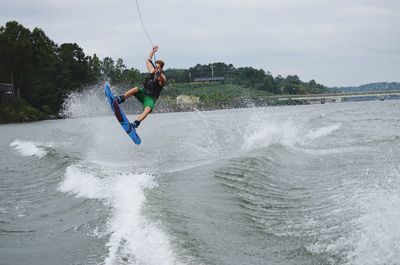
(313, 87)
(291, 84)
(131, 77)
(178, 75)
(107, 66)
(249, 76)
(117, 73)
(43, 90)
(16, 49)
(94, 68)
(72, 57)
(269, 84)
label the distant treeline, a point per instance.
(44, 73)
(248, 77)
(368, 87)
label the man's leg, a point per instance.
(141, 116)
(131, 92)
(144, 114)
(127, 94)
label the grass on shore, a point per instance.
(19, 111)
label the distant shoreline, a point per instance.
(35, 116)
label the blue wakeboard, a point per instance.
(121, 117)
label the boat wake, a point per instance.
(132, 238)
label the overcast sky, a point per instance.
(335, 42)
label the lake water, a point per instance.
(316, 184)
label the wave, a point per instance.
(264, 134)
(372, 237)
(323, 131)
(261, 133)
(28, 148)
(373, 233)
(132, 237)
(340, 220)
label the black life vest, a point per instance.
(152, 86)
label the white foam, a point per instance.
(265, 133)
(132, 236)
(27, 148)
(378, 239)
(320, 132)
(329, 151)
(83, 184)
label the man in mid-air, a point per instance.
(152, 87)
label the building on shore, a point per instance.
(6, 93)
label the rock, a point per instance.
(185, 100)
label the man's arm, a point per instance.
(149, 63)
(162, 80)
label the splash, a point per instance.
(266, 133)
(89, 102)
(263, 131)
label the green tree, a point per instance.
(117, 73)
(94, 68)
(16, 52)
(178, 75)
(249, 76)
(131, 77)
(73, 58)
(269, 84)
(315, 88)
(107, 66)
(291, 84)
(43, 91)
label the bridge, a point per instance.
(338, 97)
(209, 79)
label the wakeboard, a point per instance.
(120, 115)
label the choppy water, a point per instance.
(313, 184)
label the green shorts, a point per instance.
(146, 100)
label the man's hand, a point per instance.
(153, 51)
(157, 72)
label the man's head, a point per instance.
(160, 64)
